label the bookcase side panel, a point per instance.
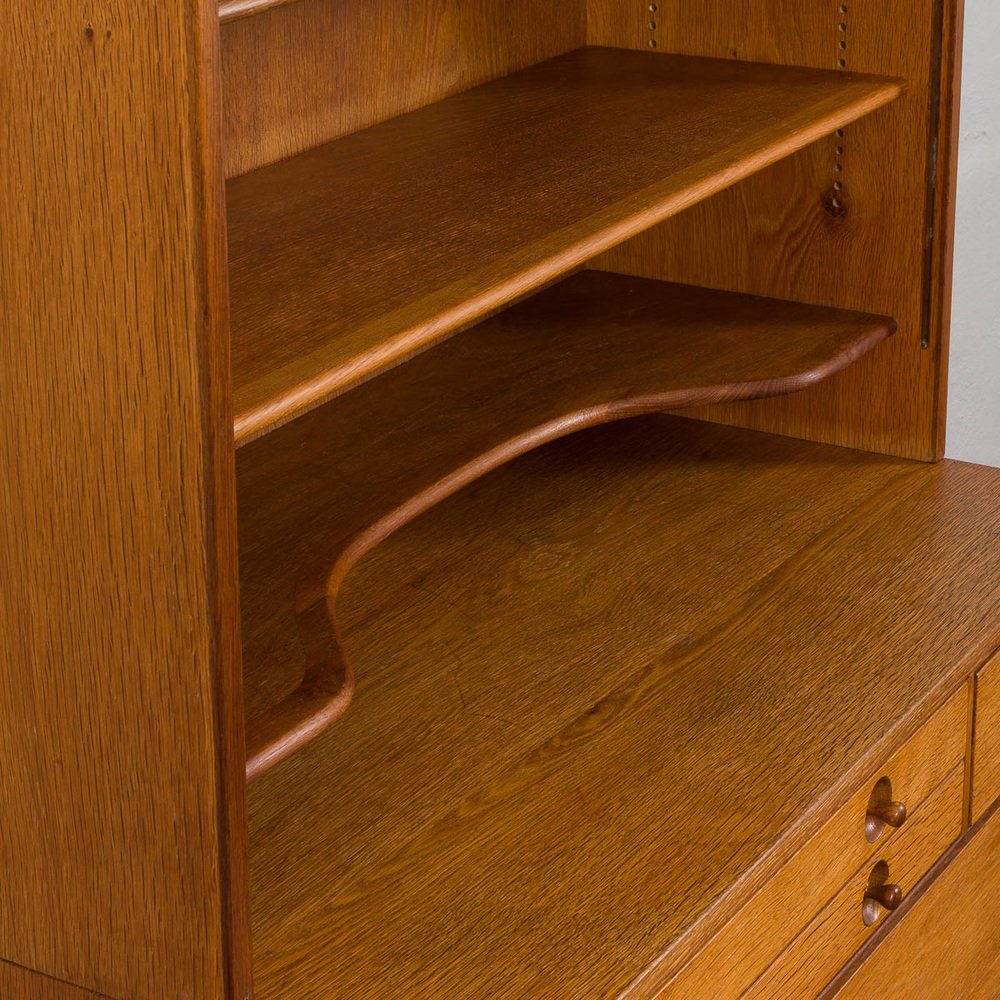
(118, 657)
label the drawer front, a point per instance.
(986, 740)
(772, 918)
(833, 936)
(947, 947)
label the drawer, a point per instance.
(783, 908)
(834, 935)
(986, 740)
(947, 946)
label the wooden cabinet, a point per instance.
(353, 643)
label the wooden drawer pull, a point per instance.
(881, 895)
(890, 813)
(883, 811)
(887, 896)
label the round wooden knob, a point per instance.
(888, 896)
(891, 813)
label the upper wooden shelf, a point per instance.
(596, 347)
(601, 697)
(348, 258)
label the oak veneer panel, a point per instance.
(594, 348)
(584, 731)
(316, 70)
(119, 681)
(947, 945)
(986, 740)
(348, 258)
(770, 921)
(835, 934)
(780, 233)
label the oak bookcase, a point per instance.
(353, 643)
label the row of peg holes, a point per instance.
(841, 43)
(836, 203)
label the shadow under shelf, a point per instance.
(317, 494)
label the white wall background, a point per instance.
(974, 389)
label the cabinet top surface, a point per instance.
(524, 790)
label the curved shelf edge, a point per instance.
(328, 683)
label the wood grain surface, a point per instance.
(604, 695)
(947, 945)
(313, 71)
(119, 696)
(17, 983)
(351, 257)
(771, 920)
(986, 740)
(594, 348)
(880, 243)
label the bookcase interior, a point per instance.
(458, 231)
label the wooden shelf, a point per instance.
(597, 347)
(350, 257)
(601, 691)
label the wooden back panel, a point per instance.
(853, 221)
(307, 73)
(121, 785)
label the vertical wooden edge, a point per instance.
(983, 772)
(970, 749)
(945, 166)
(220, 477)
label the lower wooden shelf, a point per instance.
(595, 348)
(601, 692)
